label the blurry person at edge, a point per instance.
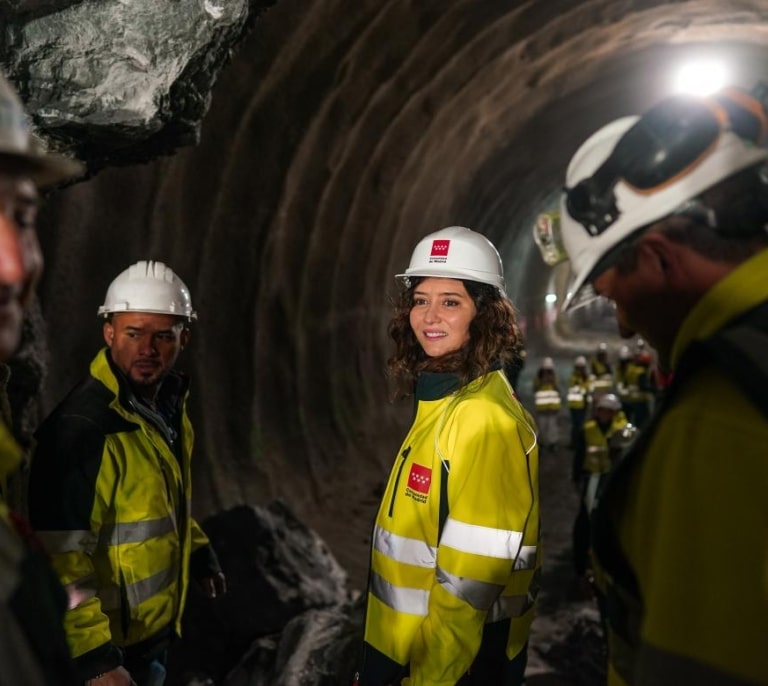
(455, 553)
(33, 646)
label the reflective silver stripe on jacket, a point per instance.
(412, 601)
(135, 532)
(407, 550)
(527, 558)
(509, 606)
(68, 541)
(479, 594)
(481, 540)
(138, 592)
(547, 397)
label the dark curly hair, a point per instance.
(494, 338)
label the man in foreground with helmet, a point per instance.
(666, 215)
(33, 647)
(455, 555)
(110, 487)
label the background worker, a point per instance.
(110, 486)
(625, 357)
(666, 215)
(639, 385)
(455, 556)
(547, 403)
(33, 647)
(602, 372)
(579, 397)
(598, 447)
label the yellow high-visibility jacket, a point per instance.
(638, 383)
(33, 649)
(680, 531)
(110, 498)
(471, 452)
(578, 391)
(546, 397)
(597, 458)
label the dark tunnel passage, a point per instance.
(337, 136)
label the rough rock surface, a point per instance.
(277, 569)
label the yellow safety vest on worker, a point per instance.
(546, 398)
(578, 391)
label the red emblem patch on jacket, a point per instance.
(419, 478)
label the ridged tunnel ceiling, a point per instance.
(339, 134)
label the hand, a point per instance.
(115, 677)
(214, 585)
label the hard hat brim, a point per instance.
(44, 170)
(442, 273)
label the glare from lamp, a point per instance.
(702, 77)
(550, 298)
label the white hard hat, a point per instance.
(609, 401)
(18, 144)
(547, 363)
(625, 353)
(623, 208)
(148, 286)
(456, 253)
(580, 361)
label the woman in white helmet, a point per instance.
(455, 550)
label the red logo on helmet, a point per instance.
(440, 247)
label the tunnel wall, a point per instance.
(339, 135)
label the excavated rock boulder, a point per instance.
(115, 82)
(277, 570)
(316, 648)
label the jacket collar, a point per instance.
(437, 385)
(172, 390)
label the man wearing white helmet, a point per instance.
(666, 215)
(33, 647)
(110, 486)
(455, 556)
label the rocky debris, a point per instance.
(578, 647)
(278, 570)
(114, 82)
(316, 648)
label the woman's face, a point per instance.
(440, 315)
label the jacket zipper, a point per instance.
(403, 457)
